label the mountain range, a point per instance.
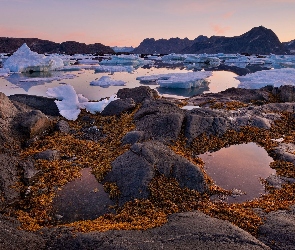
(259, 40)
(10, 45)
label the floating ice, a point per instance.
(274, 77)
(88, 61)
(4, 72)
(174, 57)
(25, 60)
(131, 60)
(106, 81)
(202, 59)
(49, 79)
(70, 103)
(240, 59)
(111, 69)
(177, 80)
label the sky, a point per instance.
(128, 22)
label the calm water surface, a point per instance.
(239, 167)
(220, 80)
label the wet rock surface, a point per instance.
(141, 163)
(119, 106)
(278, 229)
(8, 178)
(138, 94)
(191, 230)
(11, 238)
(158, 122)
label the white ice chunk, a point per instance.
(48, 79)
(4, 72)
(114, 68)
(178, 80)
(131, 60)
(25, 60)
(274, 77)
(106, 81)
(69, 102)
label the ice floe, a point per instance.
(25, 60)
(106, 81)
(70, 103)
(274, 77)
(131, 60)
(177, 80)
(113, 68)
(48, 79)
(4, 72)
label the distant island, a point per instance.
(258, 40)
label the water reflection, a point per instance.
(239, 167)
(82, 199)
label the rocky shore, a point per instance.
(144, 150)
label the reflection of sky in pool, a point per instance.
(239, 167)
(220, 80)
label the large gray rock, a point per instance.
(190, 230)
(34, 123)
(283, 152)
(7, 109)
(278, 230)
(133, 137)
(140, 163)
(8, 178)
(285, 93)
(160, 120)
(45, 105)
(138, 94)
(119, 106)
(11, 238)
(48, 154)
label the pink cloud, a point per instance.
(228, 15)
(220, 30)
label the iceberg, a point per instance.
(131, 60)
(70, 103)
(178, 80)
(202, 59)
(174, 57)
(274, 77)
(25, 60)
(112, 69)
(106, 81)
(48, 79)
(4, 72)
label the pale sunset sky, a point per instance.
(128, 22)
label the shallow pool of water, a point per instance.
(239, 167)
(82, 199)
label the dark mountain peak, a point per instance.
(10, 45)
(258, 40)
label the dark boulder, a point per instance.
(119, 106)
(285, 93)
(34, 123)
(140, 164)
(190, 230)
(278, 229)
(138, 94)
(45, 105)
(62, 126)
(48, 154)
(133, 137)
(8, 178)
(7, 109)
(160, 120)
(12, 238)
